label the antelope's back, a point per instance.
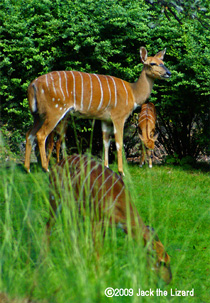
(89, 182)
(147, 115)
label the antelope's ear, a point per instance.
(167, 258)
(143, 54)
(160, 55)
(155, 137)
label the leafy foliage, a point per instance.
(181, 9)
(183, 107)
(104, 37)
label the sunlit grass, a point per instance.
(174, 201)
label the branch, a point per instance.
(175, 16)
(201, 22)
(184, 11)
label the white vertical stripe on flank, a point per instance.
(46, 81)
(101, 88)
(113, 184)
(61, 117)
(125, 92)
(67, 91)
(101, 187)
(60, 85)
(88, 175)
(53, 83)
(82, 92)
(61, 162)
(110, 206)
(109, 91)
(91, 91)
(74, 92)
(80, 171)
(92, 187)
(115, 91)
(72, 161)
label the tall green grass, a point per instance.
(175, 202)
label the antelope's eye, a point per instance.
(153, 64)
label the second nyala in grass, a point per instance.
(100, 194)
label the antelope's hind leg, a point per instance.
(118, 132)
(50, 145)
(106, 130)
(30, 137)
(42, 134)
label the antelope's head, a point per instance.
(161, 263)
(154, 66)
(149, 142)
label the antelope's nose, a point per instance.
(168, 73)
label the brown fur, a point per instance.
(60, 130)
(146, 128)
(104, 192)
(106, 98)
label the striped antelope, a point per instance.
(99, 191)
(60, 130)
(146, 128)
(106, 98)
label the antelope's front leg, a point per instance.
(29, 142)
(30, 137)
(149, 156)
(142, 158)
(50, 145)
(60, 142)
(118, 132)
(106, 130)
(42, 135)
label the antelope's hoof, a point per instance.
(46, 170)
(27, 169)
(121, 174)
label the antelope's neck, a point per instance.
(142, 88)
(145, 132)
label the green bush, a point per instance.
(104, 37)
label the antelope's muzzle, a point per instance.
(167, 72)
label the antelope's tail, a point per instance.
(32, 98)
